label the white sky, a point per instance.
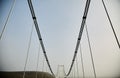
(59, 23)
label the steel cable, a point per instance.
(111, 24)
(29, 43)
(7, 19)
(90, 51)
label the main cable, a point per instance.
(80, 33)
(38, 33)
(111, 24)
(7, 19)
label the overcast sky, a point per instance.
(59, 22)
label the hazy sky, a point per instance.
(59, 22)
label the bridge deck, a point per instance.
(28, 74)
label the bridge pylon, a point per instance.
(60, 72)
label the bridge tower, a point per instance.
(60, 72)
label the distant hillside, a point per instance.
(28, 74)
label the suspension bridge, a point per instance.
(74, 70)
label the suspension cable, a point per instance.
(111, 24)
(39, 34)
(90, 50)
(43, 67)
(28, 51)
(46, 69)
(80, 33)
(38, 60)
(7, 19)
(64, 70)
(81, 55)
(74, 69)
(43, 64)
(77, 67)
(73, 72)
(57, 71)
